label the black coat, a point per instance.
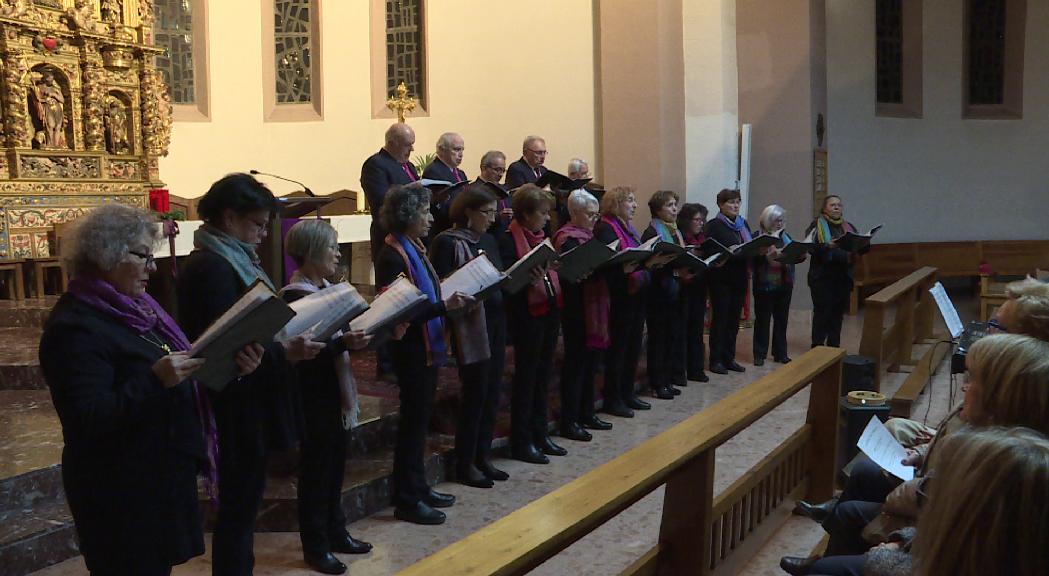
(438, 170)
(132, 447)
(831, 265)
(442, 255)
(735, 271)
(381, 172)
(388, 266)
(615, 277)
(261, 409)
(519, 173)
(664, 281)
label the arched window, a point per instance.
(994, 53)
(398, 53)
(180, 27)
(291, 45)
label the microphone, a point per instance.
(305, 188)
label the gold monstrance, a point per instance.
(402, 103)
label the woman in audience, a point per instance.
(728, 283)
(1008, 386)
(667, 314)
(992, 516)
(1026, 310)
(133, 423)
(419, 352)
(626, 288)
(690, 221)
(584, 324)
(830, 273)
(534, 315)
(480, 335)
(328, 394)
(773, 287)
(255, 413)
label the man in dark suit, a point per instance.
(493, 167)
(530, 167)
(383, 170)
(445, 167)
(388, 167)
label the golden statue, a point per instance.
(402, 103)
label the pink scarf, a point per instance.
(627, 239)
(538, 298)
(595, 293)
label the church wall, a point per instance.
(497, 72)
(940, 177)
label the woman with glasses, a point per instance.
(480, 335)
(773, 288)
(584, 325)
(255, 412)
(830, 273)
(690, 221)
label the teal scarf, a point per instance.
(240, 255)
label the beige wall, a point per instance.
(521, 72)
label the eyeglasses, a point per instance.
(488, 211)
(149, 258)
(496, 169)
(537, 152)
(996, 325)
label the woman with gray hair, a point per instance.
(420, 351)
(773, 286)
(136, 428)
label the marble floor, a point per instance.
(620, 541)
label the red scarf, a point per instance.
(595, 293)
(628, 238)
(538, 295)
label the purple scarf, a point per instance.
(740, 226)
(141, 315)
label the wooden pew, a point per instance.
(700, 534)
(891, 346)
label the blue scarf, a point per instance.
(421, 277)
(740, 226)
(240, 255)
(664, 231)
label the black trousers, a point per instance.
(242, 479)
(418, 384)
(695, 350)
(845, 526)
(322, 466)
(626, 326)
(726, 303)
(851, 565)
(830, 297)
(535, 340)
(577, 370)
(667, 319)
(771, 307)
(868, 482)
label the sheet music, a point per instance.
(430, 182)
(544, 245)
(323, 310)
(473, 278)
(648, 244)
(399, 295)
(251, 299)
(880, 446)
(947, 310)
(614, 245)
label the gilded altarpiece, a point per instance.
(85, 114)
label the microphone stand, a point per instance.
(305, 188)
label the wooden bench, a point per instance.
(700, 534)
(14, 285)
(887, 263)
(892, 347)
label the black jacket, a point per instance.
(735, 271)
(519, 173)
(379, 173)
(831, 265)
(132, 447)
(388, 266)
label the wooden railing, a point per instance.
(699, 534)
(892, 347)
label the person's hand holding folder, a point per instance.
(356, 339)
(302, 347)
(459, 301)
(249, 358)
(176, 367)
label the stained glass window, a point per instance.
(986, 51)
(293, 37)
(890, 51)
(173, 31)
(404, 48)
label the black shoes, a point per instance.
(618, 410)
(718, 369)
(759, 361)
(735, 367)
(474, 478)
(818, 512)
(796, 565)
(530, 454)
(349, 545)
(420, 513)
(595, 423)
(783, 360)
(663, 393)
(435, 499)
(547, 446)
(674, 390)
(491, 472)
(701, 377)
(325, 563)
(575, 432)
(635, 403)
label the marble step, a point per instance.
(38, 537)
(19, 362)
(28, 313)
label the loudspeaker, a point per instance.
(857, 373)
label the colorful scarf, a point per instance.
(739, 225)
(142, 314)
(540, 291)
(667, 231)
(595, 293)
(351, 409)
(470, 330)
(421, 273)
(628, 238)
(240, 255)
(824, 234)
(775, 274)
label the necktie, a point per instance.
(537, 174)
(411, 176)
